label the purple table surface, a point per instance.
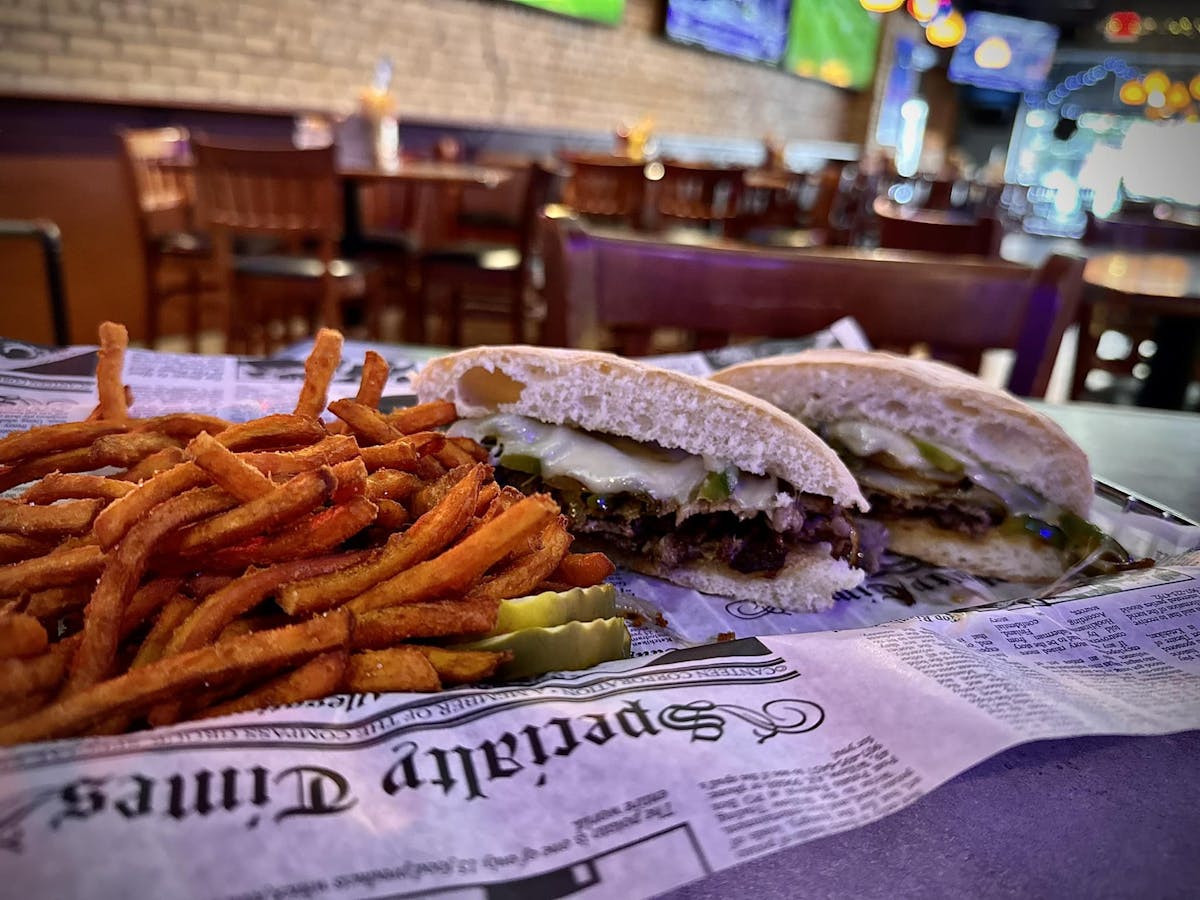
(1082, 817)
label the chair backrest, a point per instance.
(771, 199)
(628, 286)
(699, 194)
(284, 193)
(935, 232)
(1141, 232)
(605, 186)
(49, 243)
(494, 212)
(160, 181)
(539, 180)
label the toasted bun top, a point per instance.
(607, 394)
(928, 400)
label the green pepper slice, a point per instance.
(938, 458)
(521, 462)
(717, 485)
(1035, 528)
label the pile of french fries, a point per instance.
(222, 567)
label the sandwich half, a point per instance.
(674, 476)
(960, 473)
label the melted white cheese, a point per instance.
(613, 465)
(865, 439)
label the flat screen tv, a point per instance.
(835, 41)
(1004, 53)
(607, 11)
(748, 29)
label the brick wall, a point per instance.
(470, 61)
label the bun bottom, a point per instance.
(806, 583)
(1011, 557)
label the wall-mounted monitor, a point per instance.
(1004, 53)
(749, 29)
(607, 11)
(835, 41)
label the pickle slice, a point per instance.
(552, 608)
(562, 648)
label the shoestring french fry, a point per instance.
(322, 362)
(367, 424)
(23, 445)
(373, 379)
(284, 504)
(464, 666)
(402, 454)
(164, 459)
(181, 426)
(74, 486)
(438, 618)
(224, 467)
(128, 448)
(170, 617)
(210, 666)
(583, 569)
(122, 572)
(423, 539)
(526, 572)
(403, 668)
(452, 455)
(146, 601)
(14, 548)
(22, 677)
(455, 569)
(110, 367)
(66, 518)
(243, 594)
(226, 567)
(351, 478)
(21, 635)
(57, 568)
(423, 417)
(392, 484)
(328, 451)
(25, 471)
(314, 535)
(320, 676)
(53, 603)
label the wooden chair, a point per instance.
(49, 244)
(605, 187)
(494, 213)
(1135, 320)
(630, 286)
(935, 232)
(487, 278)
(290, 197)
(774, 210)
(177, 257)
(696, 195)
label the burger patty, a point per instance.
(753, 545)
(972, 517)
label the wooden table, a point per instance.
(429, 172)
(1164, 284)
(440, 185)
